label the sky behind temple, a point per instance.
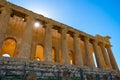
(91, 16)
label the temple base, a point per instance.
(22, 69)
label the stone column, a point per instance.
(33, 51)
(25, 49)
(106, 58)
(4, 21)
(48, 43)
(97, 55)
(57, 58)
(64, 47)
(89, 55)
(16, 54)
(112, 59)
(77, 50)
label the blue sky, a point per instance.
(91, 16)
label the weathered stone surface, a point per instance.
(30, 76)
(53, 47)
(46, 70)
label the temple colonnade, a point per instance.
(26, 40)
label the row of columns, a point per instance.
(27, 41)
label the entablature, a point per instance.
(22, 12)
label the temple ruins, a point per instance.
(52, 43)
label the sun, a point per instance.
(37, 24)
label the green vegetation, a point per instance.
(75, 78)
(46, 79)
(11, 78)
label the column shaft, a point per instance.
(106, 58)
(33, 51)
(16, 54)
(57, 58)
(77, 51)
(25, 49)
(89, 55)
(48, 43)
(4, 21)
(64, 47)
(112, 59)
(97, 55)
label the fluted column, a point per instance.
(16, 54)
(77, 50)
(106, 57)
(89, 55)
(64, 46)
(48, 42)
(97, 55)
(25, 48)
(33, 51)
(57, 58)
(4, 21)
(112, 59)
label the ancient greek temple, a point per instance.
(30, 36)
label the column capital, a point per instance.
(86, 38)
(76, 35)
(27, 18)
(93, 41)
(108, 46)
(50, 25)
(101, 44)
(63, 30)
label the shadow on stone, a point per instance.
(66, 75)
(30, 76)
